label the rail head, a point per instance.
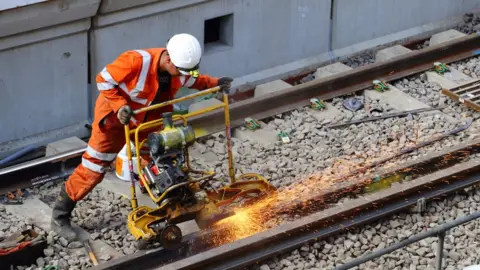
(60, 157)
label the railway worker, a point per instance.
(137, 78)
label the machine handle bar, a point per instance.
(170, 102)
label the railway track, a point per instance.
(428, 185)
(427, 179)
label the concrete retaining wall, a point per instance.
(262, 36)
(362, 20)
(44, 72)
(51, 50)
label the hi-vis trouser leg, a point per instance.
(107, 139)
(105, 142)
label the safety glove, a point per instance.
(124, 114)
(225, 83)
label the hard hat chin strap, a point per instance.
(192, 71)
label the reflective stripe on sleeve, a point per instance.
(104, 86)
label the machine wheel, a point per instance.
(142, 244)
(170, 237)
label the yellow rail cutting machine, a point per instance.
(178, 190)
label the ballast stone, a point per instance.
(270, 87)
(445, 36)
(391, 52)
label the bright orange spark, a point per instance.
(287, 202)
(302, 197)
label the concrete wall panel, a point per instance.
(361, 20)
(10, 4)
(263, 36)
(43, 86)
(116, 5)
(45, 14)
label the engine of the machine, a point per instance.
(167, 150)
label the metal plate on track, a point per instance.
(467, 94)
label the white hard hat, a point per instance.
(185, 52)
(472, 267)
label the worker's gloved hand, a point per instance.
(225, 83)
(124, 114)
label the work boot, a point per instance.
(62, 211)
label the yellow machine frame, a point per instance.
(138, 225)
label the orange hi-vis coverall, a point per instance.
(129, 80)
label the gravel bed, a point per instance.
(315, 146)
(470, 24)
(102, 213)
(470, 67)
(60, 252)
(461, 243)
(421, 89)
(12, 223)
(430, 93)
(362, 59)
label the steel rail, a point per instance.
(318, 226)
(48, 169)
(39, 171)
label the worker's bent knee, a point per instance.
(82, 182)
